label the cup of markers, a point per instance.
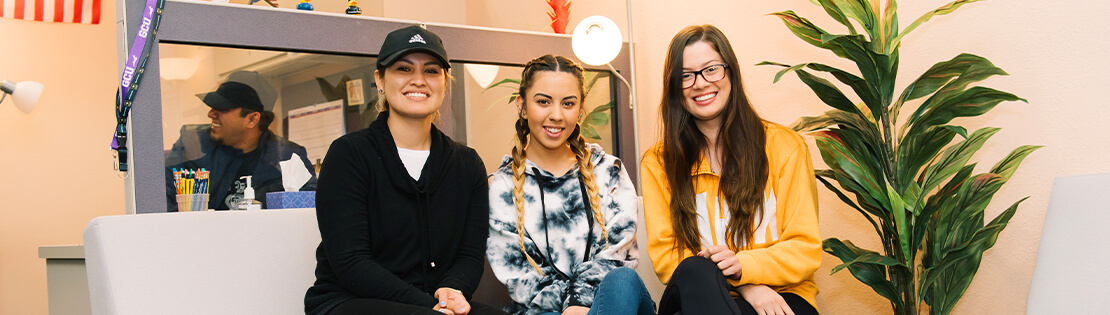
(192, 189)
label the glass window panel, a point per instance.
(491, 117)
(286, 82)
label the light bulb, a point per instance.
(596, 40)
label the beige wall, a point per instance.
(55, 169)
(1053, 51)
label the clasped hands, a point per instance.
(451, 302)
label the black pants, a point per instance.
(698, 287)
(376, 306)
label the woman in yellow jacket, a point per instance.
(730, 200)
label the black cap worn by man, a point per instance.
(411, 39)
(234, 95)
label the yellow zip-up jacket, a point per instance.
(786, 248)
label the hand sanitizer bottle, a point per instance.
(249, 203)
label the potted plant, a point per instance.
(912, 180)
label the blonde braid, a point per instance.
(518, 186)
(586, 167)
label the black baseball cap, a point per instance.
(411, 39)
(233, 95)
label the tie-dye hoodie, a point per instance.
(555, 209)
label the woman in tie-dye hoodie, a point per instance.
(562, 212)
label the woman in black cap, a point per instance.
(402, 208)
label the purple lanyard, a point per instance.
(133, 74)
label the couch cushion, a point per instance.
(225, 262)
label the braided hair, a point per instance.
(576, 143)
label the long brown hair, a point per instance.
(576, 142)
(742, 139)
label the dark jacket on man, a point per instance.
(224, 162)
(387, 236)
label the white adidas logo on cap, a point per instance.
(417, 39)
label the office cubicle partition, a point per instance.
(346, 37)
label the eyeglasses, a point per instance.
(712, 73)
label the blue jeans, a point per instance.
(618, 292)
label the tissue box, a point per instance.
(291, 199)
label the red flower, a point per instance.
(560, 15)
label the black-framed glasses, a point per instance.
(712, 73)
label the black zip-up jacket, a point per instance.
(387, 236)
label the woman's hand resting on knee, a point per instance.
(576, 310)
(451, 301)
(765, 300)
(725, 259)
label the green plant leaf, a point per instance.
(870, 274)
(970, 103)
(890, 26)
(948, 8)
(945, 197)
(900, 216)
(918, 149)
(807, 31)
(597, 119)
(966, 216)
(778, 76)
(957, 129)
(868, 258)
(505, 81)
(941, 73)
(862, 12)
(955, 157)
(863, 197)
(591, 80)
(1007, 166)
(589, 132)
(878, 70)
(974, 73)
(869, 96)
(859, 85)
(965, 257)
(834, 11)
(846, 199)
(837, 155)
(827, 92)
(842, 119)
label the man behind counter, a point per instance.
(237, 143)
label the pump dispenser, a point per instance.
(249, 203)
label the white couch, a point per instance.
(1071, 276)
(225, 262)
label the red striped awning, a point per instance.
(69, 11)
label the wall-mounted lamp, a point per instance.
(483, 74)
(596, 41)
(25, 94)
(178, 68)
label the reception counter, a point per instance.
(67, 285)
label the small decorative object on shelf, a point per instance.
(305, 5)
(272, 3)
(352, 7)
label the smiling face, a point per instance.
(705, 100)
(414, 85)
(230, 128)
(552, 106)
